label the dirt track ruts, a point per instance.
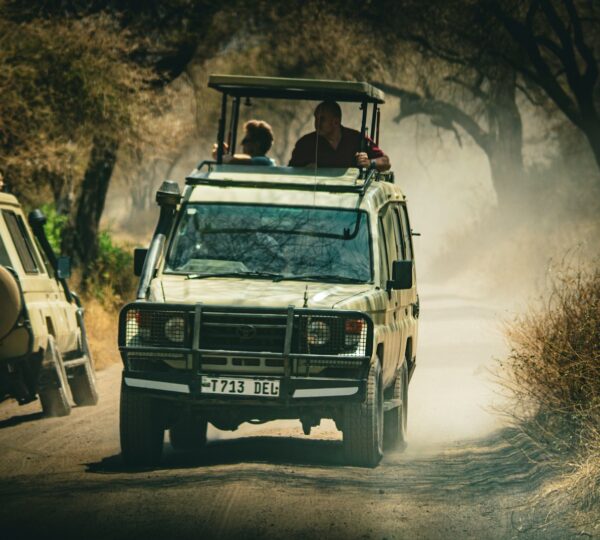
(64, 477)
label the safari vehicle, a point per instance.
(272, 293)
(43, 344)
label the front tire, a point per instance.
(363, 424)
(83, 385)
(188, 434)
(395, 420)
(53, 392)
(141, 429)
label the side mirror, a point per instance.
(63, 268)
(139, 257)
(402, 275)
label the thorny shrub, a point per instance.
(553, 374)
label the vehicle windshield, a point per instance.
(272, 242)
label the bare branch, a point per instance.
(475, 89)
(591, 72)
(533, 100)
(541, 72)
(444, 114)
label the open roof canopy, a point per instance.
(284, 88)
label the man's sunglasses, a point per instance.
(246, 140)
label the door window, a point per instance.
(406, 234)
(22, 242)
(4, 260)
(390, 238)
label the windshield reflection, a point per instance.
(271, 242)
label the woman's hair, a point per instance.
(261, 132)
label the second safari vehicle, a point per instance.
(273, 293)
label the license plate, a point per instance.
(233, 386)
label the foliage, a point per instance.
(110, 277)
(553, 373)
(55, 224)
(62, 82)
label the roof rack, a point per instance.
(284, 88)
(326, 180)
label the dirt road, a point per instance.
(459, 477)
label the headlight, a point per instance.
(175, 329)
(318, 333)
(353, 331)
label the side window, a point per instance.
(22, 242)
(4, 260)
(398, 222)
(384, 263)
(406, 234)
(389, 233)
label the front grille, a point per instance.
(248, 332)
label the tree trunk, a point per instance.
(81, 236)
(591, 128)
(505, 147)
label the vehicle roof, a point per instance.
(287, 88)
(7, 198)
(336, 188)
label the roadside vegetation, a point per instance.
(108, 285)
(553, 374)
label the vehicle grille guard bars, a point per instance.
(196, 337)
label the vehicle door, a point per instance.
(408, 297)
(43, 296)
(390, 235)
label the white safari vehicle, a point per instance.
(43, 344)
(272, 293)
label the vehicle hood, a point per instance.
(255, 292)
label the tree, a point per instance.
(162, 37)
(459, 86)
(556, 44)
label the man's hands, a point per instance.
(362, 160)
(381, 163)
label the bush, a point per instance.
(553, 373)
(55, 224)
(111, 278)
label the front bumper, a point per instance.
(292, 390)
(343, 378)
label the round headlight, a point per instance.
(175, 329)
(318, 333)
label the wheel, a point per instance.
(83, 384)
(83, 378)
(363, 425)
(53, 387)
(188, 434)
(141, 428)
(394, 432)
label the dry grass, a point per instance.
(101, 325)
(553, 374)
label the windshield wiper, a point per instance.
(264, 275)
(322, 277)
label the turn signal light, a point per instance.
(353, 326)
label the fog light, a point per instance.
(175, 329)
(318, 333)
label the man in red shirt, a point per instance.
(333, 145)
